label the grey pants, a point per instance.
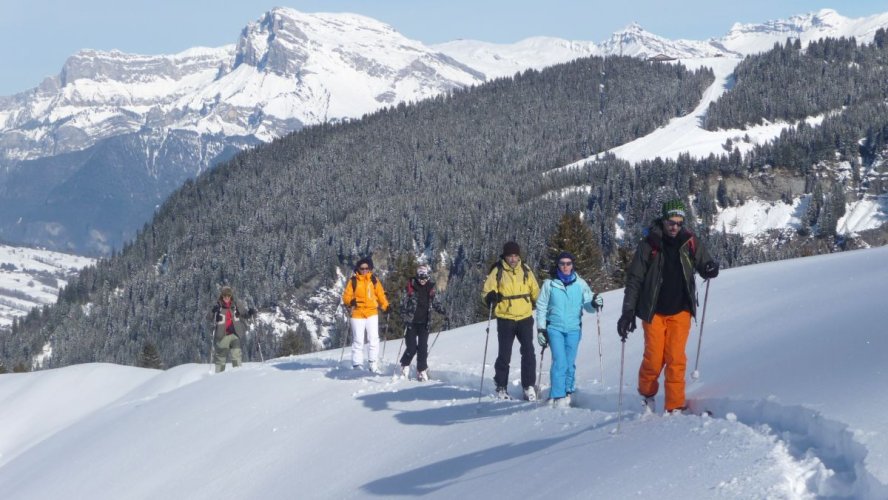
(228, 343)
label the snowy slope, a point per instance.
(792, 365)
(30, 277)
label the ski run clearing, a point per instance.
(793, 367)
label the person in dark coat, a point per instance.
(416, 308)
(660, 290)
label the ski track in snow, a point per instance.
(818, 457)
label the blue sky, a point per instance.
(38, 35)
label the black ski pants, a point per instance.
(506, 331)
(417, 340)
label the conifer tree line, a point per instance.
(789, 83)
(450, 178)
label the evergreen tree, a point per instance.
(291, 344)
(574, 236)
(149, 357)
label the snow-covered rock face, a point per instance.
(286, 70)
(634, 41)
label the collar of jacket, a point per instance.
(508, 267)
(364, 276)
(655, 237)
(428, 284)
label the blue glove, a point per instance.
(542, 337)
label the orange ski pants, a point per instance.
(665, 339)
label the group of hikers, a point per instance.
(660, 290)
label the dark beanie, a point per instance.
(511, 248)
(365, 260)
(566, 255)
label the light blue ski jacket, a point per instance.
(561, 307)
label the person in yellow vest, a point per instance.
(365, 296)
(511, 289)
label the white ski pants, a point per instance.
(359, 327)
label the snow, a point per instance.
(756, 217)
(869, 213)
(32, 277)
(792, 363)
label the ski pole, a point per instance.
(401, 345)
(696, 374)
(540, 374)
(212, 344)
(385, 335)
(385, 339)
(620, 400)
(433, 342)
(600, 356)
(259, 343)
(484, 362)
(345, 337)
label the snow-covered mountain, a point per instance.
(31, 278)
(752, 38)
(286, 70)
(289, 69)
(791, 375)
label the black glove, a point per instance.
(216, 309)
(710, 270)
(492, 298)
(353, 303)
(626, 324)
(542, 337)
(251, 312)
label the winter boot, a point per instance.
(647, 404)
(374, 367)
(681, 410)
(530, 394)
(562, 402)
(423, 376)
(502, 393)
(405, 371)
(357, 367)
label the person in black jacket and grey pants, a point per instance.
(416, 308)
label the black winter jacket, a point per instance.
(644, 275)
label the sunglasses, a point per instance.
(422, 278)
(672, 223)
(565, 263)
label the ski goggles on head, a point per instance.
(422, 277)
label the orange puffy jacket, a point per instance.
(367, 294)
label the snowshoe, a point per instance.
(647, 404)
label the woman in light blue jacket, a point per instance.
(558, 318)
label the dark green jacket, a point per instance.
(644, 275)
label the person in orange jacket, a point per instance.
(365, 296)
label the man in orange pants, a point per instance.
(660, 289)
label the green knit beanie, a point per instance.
(674, 207)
